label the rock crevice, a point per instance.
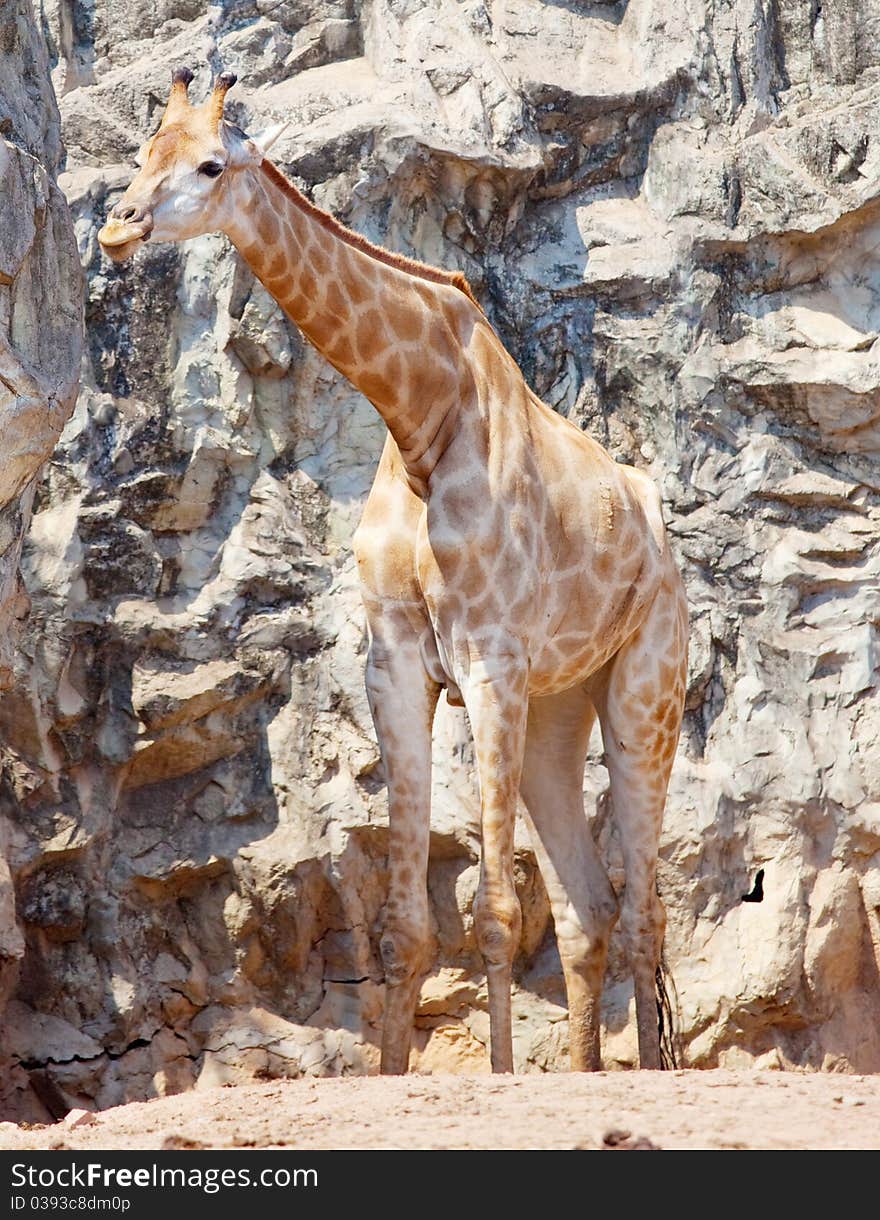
(670, 216)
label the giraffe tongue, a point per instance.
(122, 250)
(120, 241)
(117, 235)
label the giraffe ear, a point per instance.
(264, 141)
(249, 150)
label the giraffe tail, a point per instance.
(667, 1007)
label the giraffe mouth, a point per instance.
(119, 239)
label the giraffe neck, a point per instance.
(395, 329)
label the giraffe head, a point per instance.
(181, 188)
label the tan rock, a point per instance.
(835, 936)
(32, 1035)
(451, 1047)
(164, 695)
(446, 993)
(677, 245)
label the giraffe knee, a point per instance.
(582, 937)
(642, 932)
(603, 914)
(498, 923)
(589, 927)
(404, 951)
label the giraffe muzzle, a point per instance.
(128, 226)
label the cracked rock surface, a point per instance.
(671, 215)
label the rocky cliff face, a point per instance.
(40, 342)
(670, 213)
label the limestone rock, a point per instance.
(670, 215)
(41, 294)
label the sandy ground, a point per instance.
(610, 1109)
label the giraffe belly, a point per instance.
(591, 632)
(560, 666)
(560, 653)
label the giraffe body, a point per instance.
(503, 557)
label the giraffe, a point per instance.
(503, 556)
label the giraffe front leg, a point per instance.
(402, 700)
(495, 694)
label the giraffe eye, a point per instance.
(211, 169)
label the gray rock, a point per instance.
(670, 214)
(41, 293)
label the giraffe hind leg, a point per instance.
(581, 898)
(640, 701)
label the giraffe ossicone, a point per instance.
(503, 555)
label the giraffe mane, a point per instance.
(422, 271)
